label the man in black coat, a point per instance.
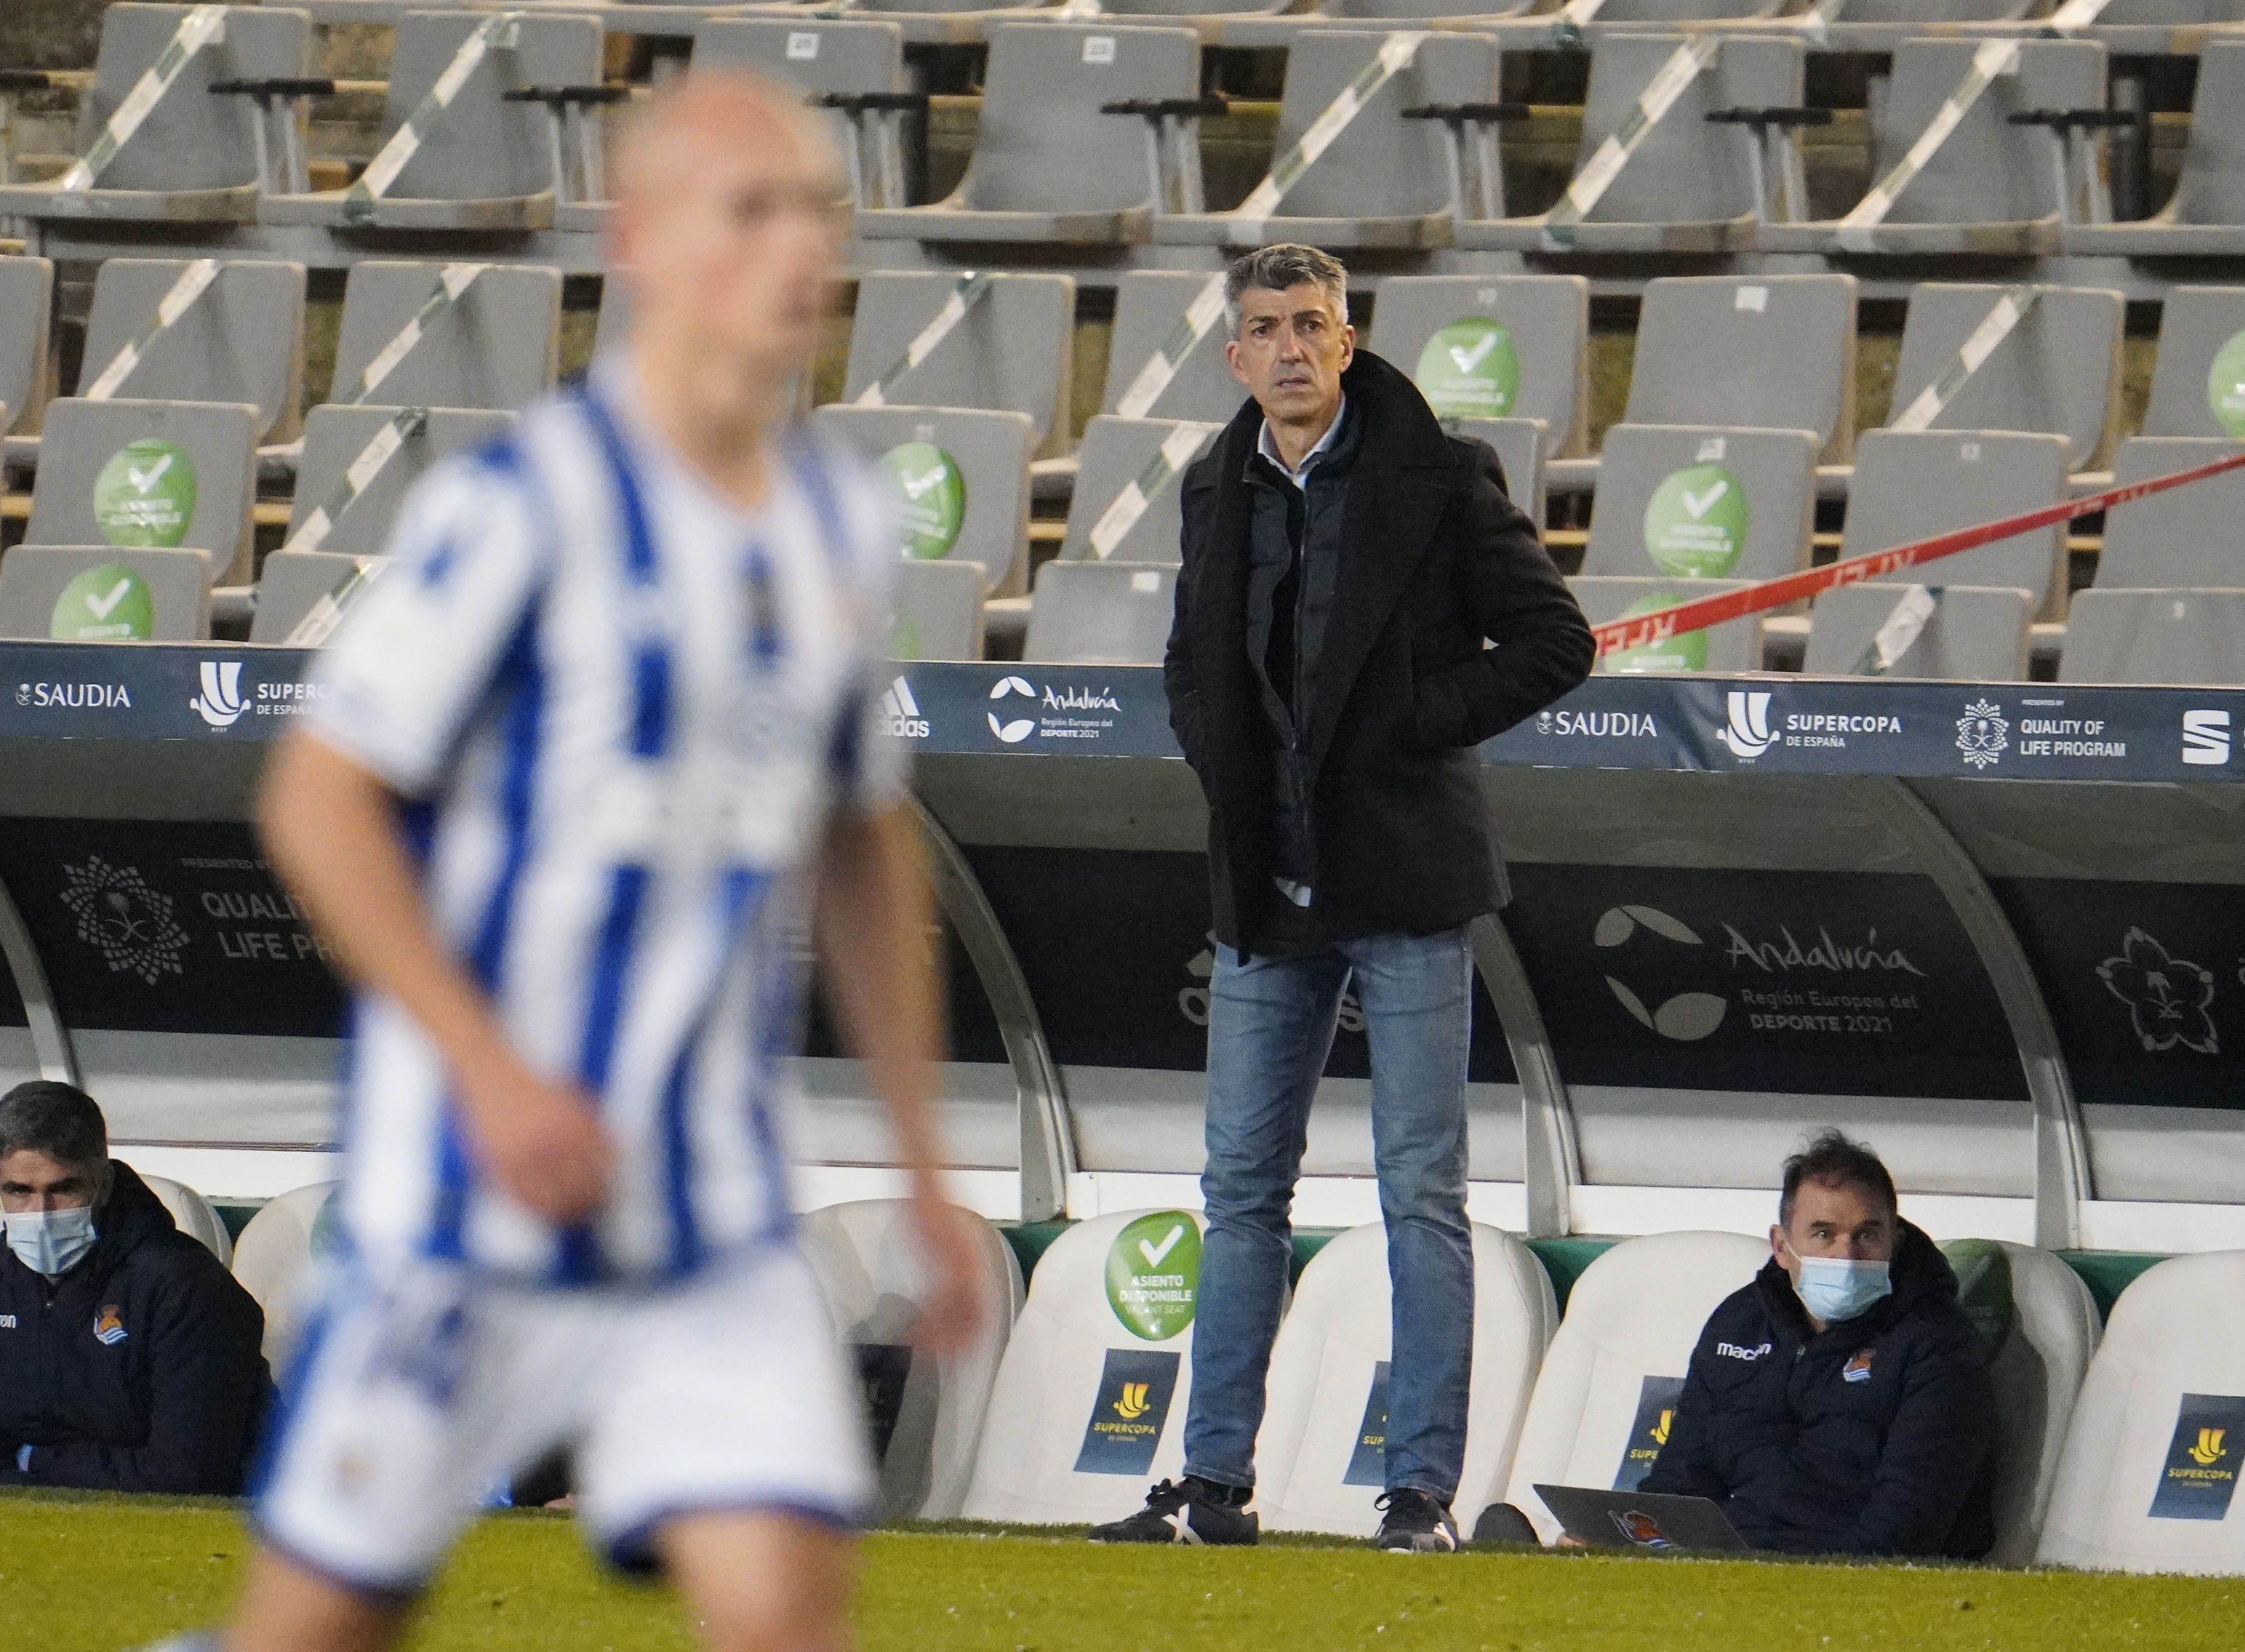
(129, 1358)
(1345, 564)
(1841, 1404)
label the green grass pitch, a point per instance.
(82, 1574)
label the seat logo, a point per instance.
(1019, 729)
(1132, 1403)
(1747, 731)
(2206, 737)
(220, 704)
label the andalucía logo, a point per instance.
(1746, 731)
(1686, 1017)
(1015, 730)
(220, 704)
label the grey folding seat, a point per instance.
(1282, 27)
(1519, 447)
(1615, 15)
(239, 338)
(2206, 215)
(1775, 352)
(2186, 536)
(2058, 369)
(484, 162)
(27, 287)
(1101, 613)
(2198, 378)
(354, 513)
(1910, 486)
(1382, 183)
(103, 594)
(1010, 351)
(292, 584)
(1993, 186)
(1048, 165)
(1109, 521)
(154, 474)
(1975, 634)
(1680, 503)
(1150, 309)
(929, 22)
(1693, 183)
(960, 482)
(939, 613)
(2193, 637)
(193, 157)
(1880, 25)
(2161, 28)
(1735, 645)
(1492, 347)
(497, 344)
(853, 67)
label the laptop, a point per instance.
(1654, 1520)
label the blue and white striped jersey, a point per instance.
(621, 711)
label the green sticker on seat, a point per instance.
(106, 604)
(1153, 1274)
(145, 495)
(931, 497)
(1695, 523)
(1685, 652)
(2225, 386)
(1469, 369)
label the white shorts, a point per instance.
(409, 1401)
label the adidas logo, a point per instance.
(901, 712)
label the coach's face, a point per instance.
(1289, 351)
(30, 1180)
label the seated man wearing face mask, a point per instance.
(129, 1358)
(1841, 1404)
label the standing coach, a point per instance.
(1345, 561)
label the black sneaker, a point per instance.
(1191, 1510)
(1415, 1523)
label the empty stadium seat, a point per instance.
(1682, 504)
(961, 480)
(1090, 1398)
(2186, 536)
(101, 593)
(1010, 351)
(1048, 165)
(26, 299)
(830, 58)
(2184, 636)
(1690, 184)
(2205, 217)
(193, 1215)
(1878, 25)
(926, 1413)
(193, 157)
(2198, 378)
(239, 339)
(1381, 183)
(484, 162)
(1616, 1365)
(495, 341)
(2149, 1471)
(357, 510)
(1975, 634)
(1115, 457)
(1911, 485)
(1771, 352)
(1518, 444)
(2059, 368)
(1615, 15)
(1492, 347)
(1319, 1458)
(1735, 645)
(273, 1259)
(938, 612)
(1150, 309)
(1101, 613)
(291, 583)
(148, 474)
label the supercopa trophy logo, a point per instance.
(128, 923)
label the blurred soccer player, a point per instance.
(580, 765)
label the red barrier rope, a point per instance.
(1639, 629)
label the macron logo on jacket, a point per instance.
(1732, 1350)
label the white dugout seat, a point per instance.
(926, 1413)
(1617, 1363)
(1320, 1459)
(1089, 1408)
(2148, 1477)
(274, 1259)
(193, 1215)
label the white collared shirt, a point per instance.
(1299, 476)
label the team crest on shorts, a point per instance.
(108, 1328)
(1857, 1370)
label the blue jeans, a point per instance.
(1271, 1026)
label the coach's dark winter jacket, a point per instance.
(1874, 1436)
(140, 1368)
(1380, 791)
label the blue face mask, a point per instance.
(1833, 1288)
(52, 1241)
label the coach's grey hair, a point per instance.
(1276, 269)
(58, 1119)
